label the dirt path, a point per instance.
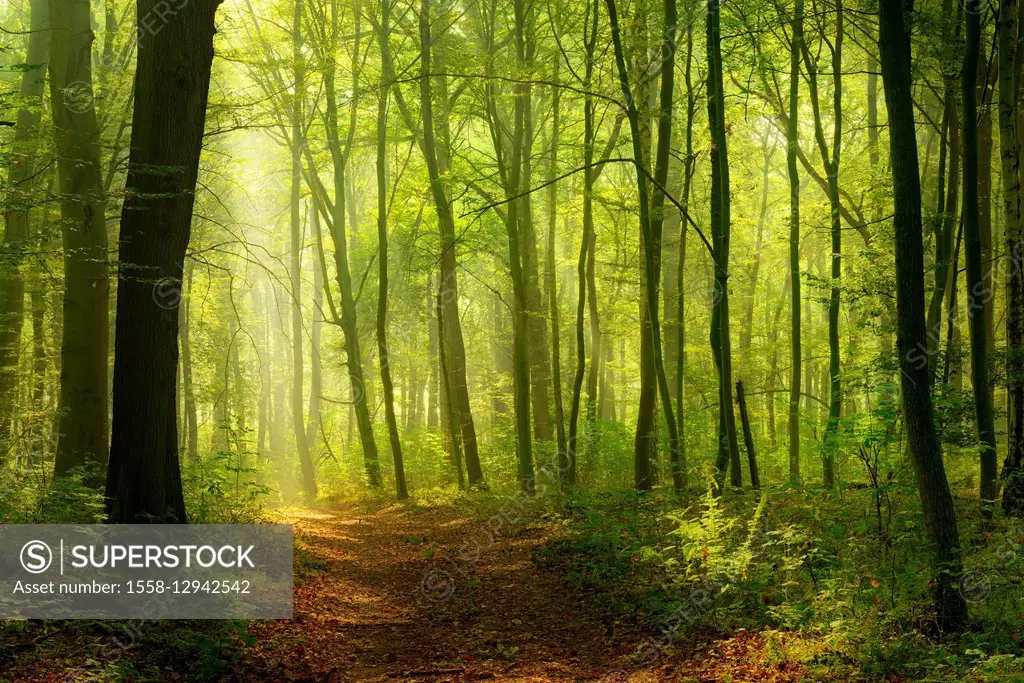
(398, 594)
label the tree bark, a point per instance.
(792, 135)
(978, 288)
(171, 88)
(383, 352)
(933, 488)
(82, 429)
(728, 446)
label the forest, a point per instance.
(578, 339)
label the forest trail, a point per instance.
(374, 608)
(378, 606)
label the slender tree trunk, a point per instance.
(551, 272)
(82, 430)
(340, 149)
(792, 134)
(315, 332)
(185, 349)
(688, 167)
(933, 488)
(657, 222)
(651, 269)
(143, 479)
(830, 162)
(449, 280)
(309, 487)
(748, 436)
(584, 266)
(728, 445)
(384, 353)
(979, 289)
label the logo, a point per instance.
(36, 557)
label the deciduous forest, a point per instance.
(579, 339)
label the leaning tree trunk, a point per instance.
(171, 86)
(933, 488)
(454, 343)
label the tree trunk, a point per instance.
(792, 135)
(976, 284)
(651, 270)
(933, 488)
(384, 353)
(82, 439)
(309, 487)
(748, 436)
(551, 272)
(830, 162)
(728, 446)
(144, 479)
(449, 279)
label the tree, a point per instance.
(728, 444)
(933, 488)
(976, 284)
(793, 173)
(171, 88)
(82, 426)
(384, 353)
(651, 271)
(1009, 164)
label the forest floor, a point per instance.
(373, 602)
(394, 594)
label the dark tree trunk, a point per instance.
(748, 436)
(976, 285)
(933, 488)
(171, 87)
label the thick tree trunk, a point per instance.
(171, 86)
(933, 488)
(82, 429)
